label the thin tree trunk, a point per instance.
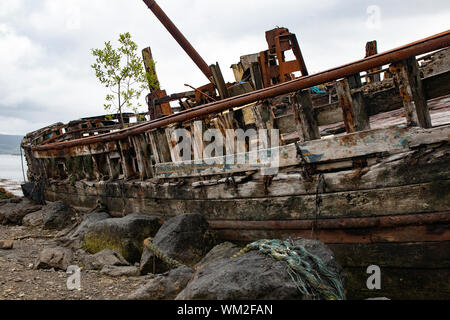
(120, 109)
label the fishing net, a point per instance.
(311, 277)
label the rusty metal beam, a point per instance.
(423, 46)
(179, 37)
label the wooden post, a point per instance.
(154, 86)
(407, 79)
(303, 112)
(354, 111)
(371, 50)
(255, 72)
(219, 81)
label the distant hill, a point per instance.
(10, 144)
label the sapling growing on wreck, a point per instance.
(121, 70)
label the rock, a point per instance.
(75, 238)
(6, 244)
(92, 218)
(252, 276)
(58, 216)
(106, 257)
(185, 238)
(56, 257)
(164, 286)
(34, 219)
(125, 235)
(33, 192)
(221, 251)
(13, 212)
(120, 271)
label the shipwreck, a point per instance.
(362, 159)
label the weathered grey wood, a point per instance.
(172, 142)
(413, 167)
(114, 165)
(198, 128)
(256, 75)
(303, 112)
(219, 81)
(387, 140)
(127, 160)
(407, 79)
(365, 203)
(355, 116)
(159, 145)
(224, 122)
(438, 63)
(143, 156)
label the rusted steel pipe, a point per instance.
(426, 45)
(179, 37)
(340, 223)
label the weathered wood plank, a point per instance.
(438, 63)
(386, 99)
(219, 81)
(198, 127)
(143, 156)
(159, 146)
(413, 167)
(172, 142)
(426, 197)
(387, 140)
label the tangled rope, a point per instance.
(160, 255)
(314, 280)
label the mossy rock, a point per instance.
(125, 235)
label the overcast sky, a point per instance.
(45, 58)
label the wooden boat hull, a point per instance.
(394, 213)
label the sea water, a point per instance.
(11, 175)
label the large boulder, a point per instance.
(13, 212)
(58, 215)
(164, 286)
(55, 257)
(185, 238)
(75, 238)
(106, 257)
(254, 276)
(125, 235)
(221, 251)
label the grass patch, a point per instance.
(5, 194)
